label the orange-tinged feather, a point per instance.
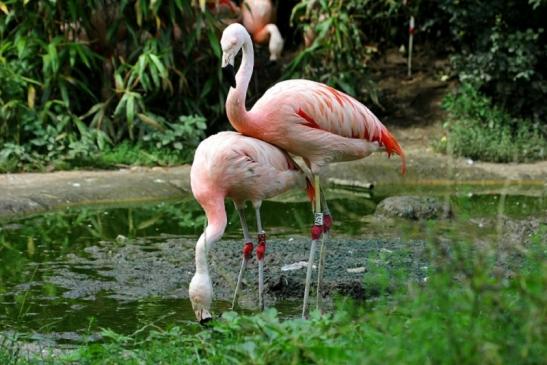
(310, 191)
(392, 146)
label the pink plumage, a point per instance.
(230, 165)
(304, 117)
(258, 19)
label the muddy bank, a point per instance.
(141, 269)
(162, 267)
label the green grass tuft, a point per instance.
(481, 131)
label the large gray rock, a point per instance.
(414, 207)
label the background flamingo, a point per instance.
(230, 165)
(305, 118)
(258, 18)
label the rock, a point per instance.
(414, 207)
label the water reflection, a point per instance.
(44, 259)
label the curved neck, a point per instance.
(235, 103)
(216, 224)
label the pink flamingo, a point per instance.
(305, 118)
(230, 165)
(257, 18)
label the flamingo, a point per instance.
(305, 118)
(257, 18)
(230, 165)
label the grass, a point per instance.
(470, 310)
(481, 131)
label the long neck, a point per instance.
(216, 224)
(235, 103)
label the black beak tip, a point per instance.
(230, 75)
(205, 321)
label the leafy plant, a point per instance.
(337, 55)
(501, 49)
(76, 76)
(481, 131)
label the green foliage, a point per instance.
(76, 76)
(501, 50)
(337, 55)
(479, 130)
(467, 312)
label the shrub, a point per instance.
(501, 49)
(76, 76)
(479, 130)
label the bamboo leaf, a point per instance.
(159, 65)
(121, 105)
(94, 109)
(31, 96)
(148, 120)
(118, 82)
(130, 109)
(4, 8)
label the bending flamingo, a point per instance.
(230, 165)
(305, 118)
(258, 20)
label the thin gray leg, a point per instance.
(245, 258)
(322, 254)
(260, 252)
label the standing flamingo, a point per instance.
(230, 165)
(305, 118)
(257, 18)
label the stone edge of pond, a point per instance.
(30, 193)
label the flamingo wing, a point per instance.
(246, 168)
(319, 106)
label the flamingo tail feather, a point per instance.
(392, 146)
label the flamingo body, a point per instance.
(258, 19)
(230, 165)
(256, 14)
(304, 117)
(317, 122)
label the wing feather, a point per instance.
(320, 106)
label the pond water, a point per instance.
(59, 284)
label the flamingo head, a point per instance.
(232, 41)
(201, 295)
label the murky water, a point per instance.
(65, 275)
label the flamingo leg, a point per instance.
(327, 222)
(260, 251)
(247, 250)
(316, 234)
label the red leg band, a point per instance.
(247, 250)
(261, 250)
(327, 222)
(316, 232)
(261, 237)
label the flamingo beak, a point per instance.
(230, 74)
(203, 316)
